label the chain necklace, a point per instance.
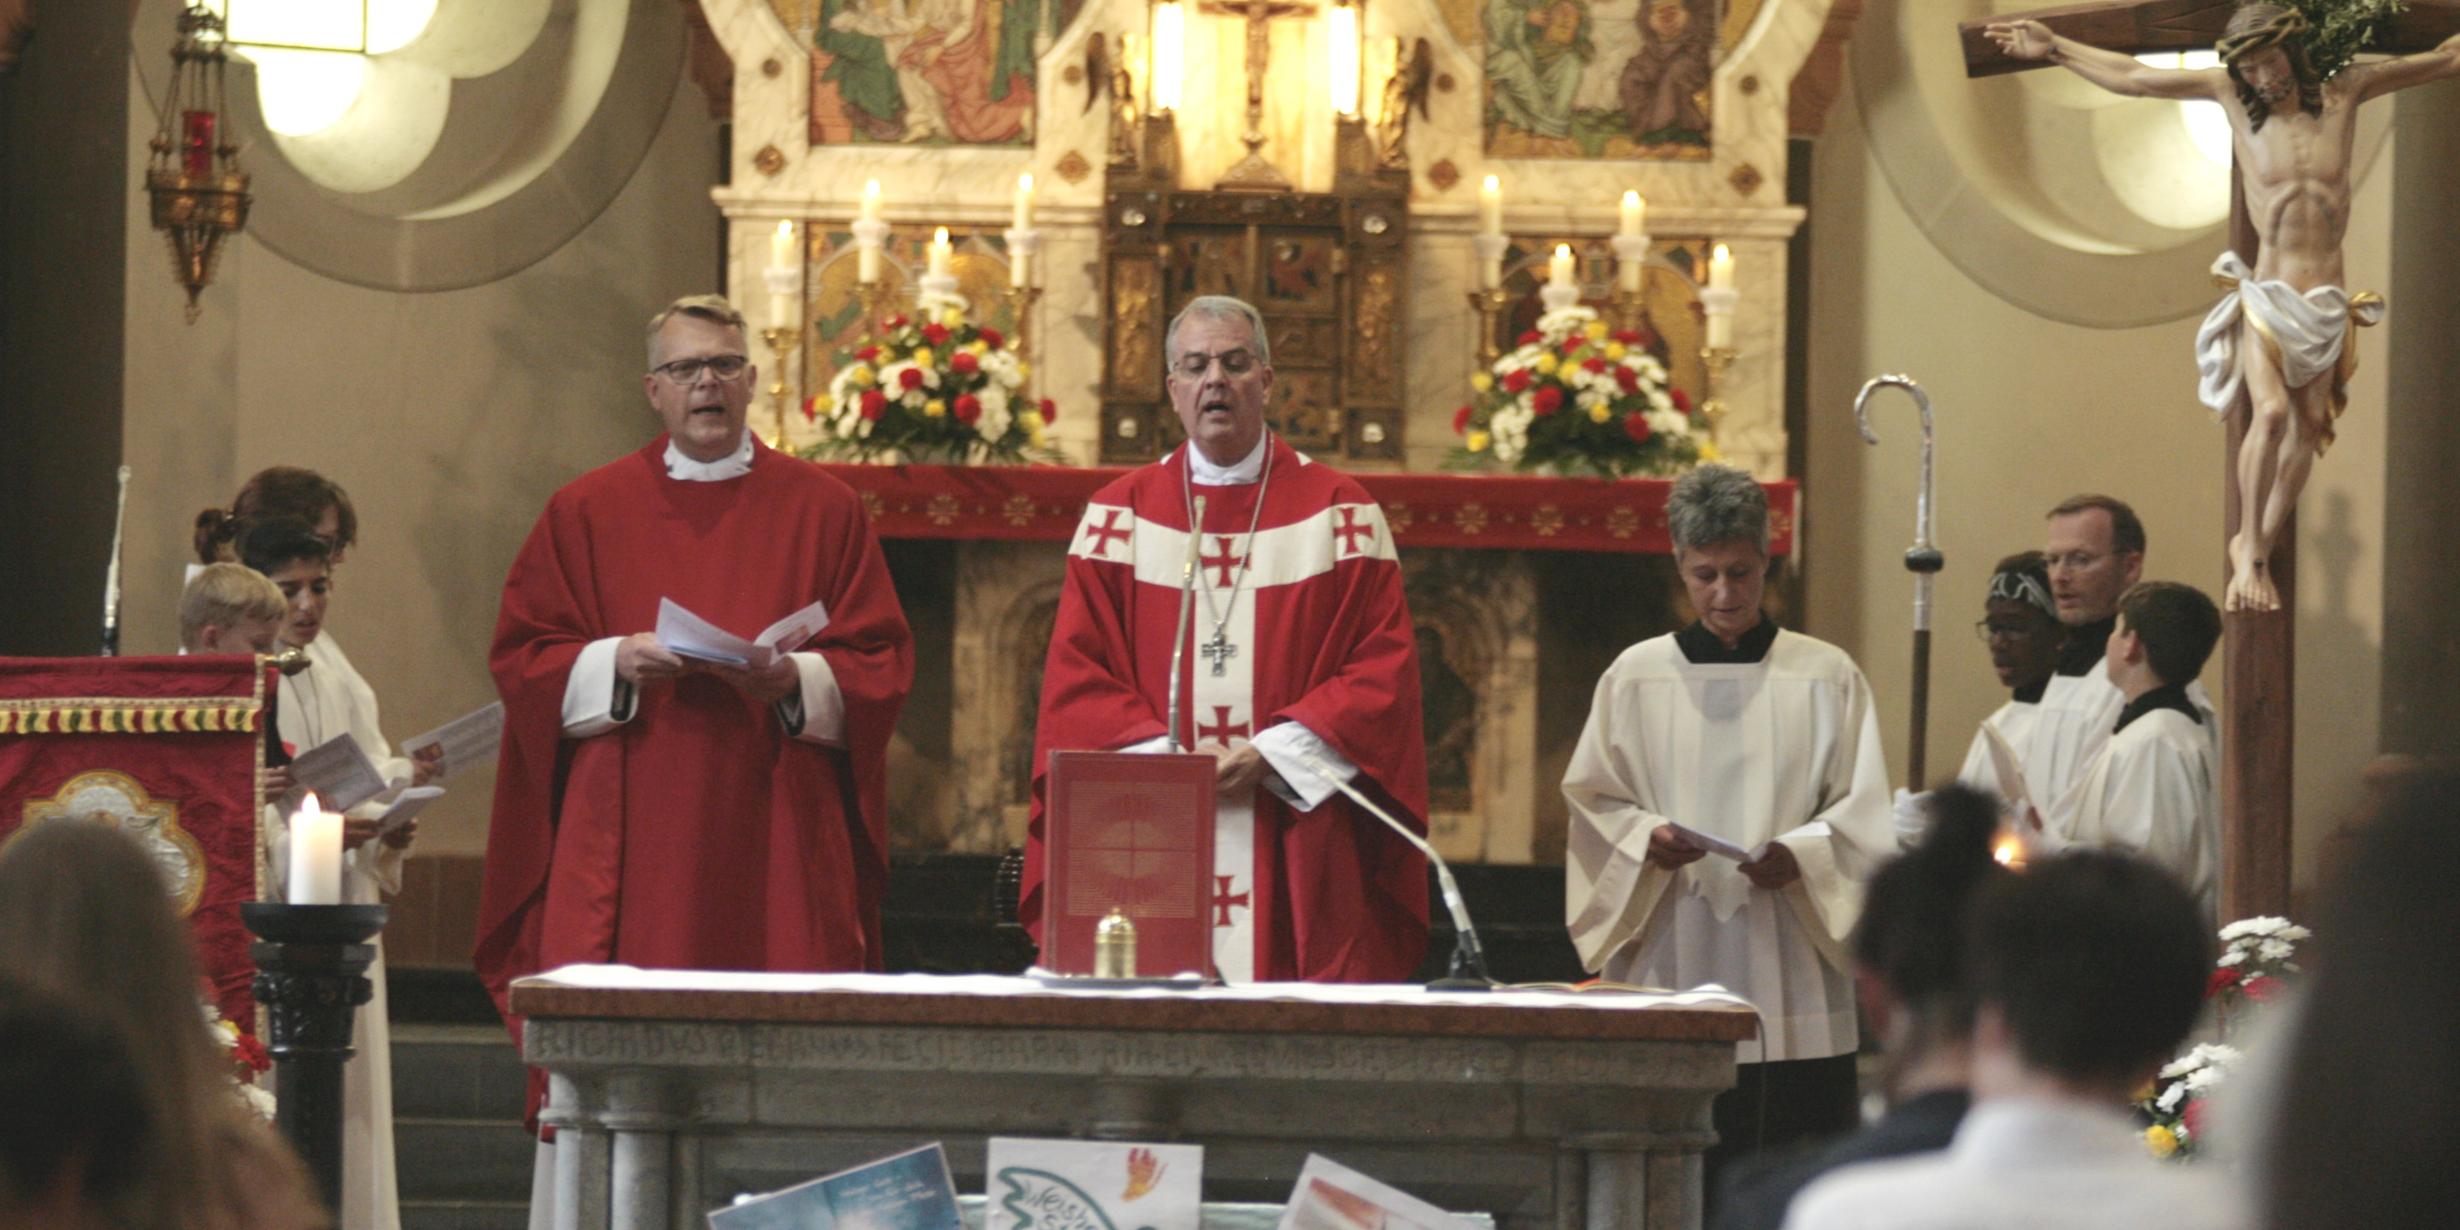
(1219, 650)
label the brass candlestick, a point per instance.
(1021, 300)
(1489, 305)
(782, 342)
(879, 303)
(1712, 409)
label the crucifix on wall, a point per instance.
(1254, 171)
(2276, 352)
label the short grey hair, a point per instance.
(1716, 504)
(715, 309)
(1217, 307)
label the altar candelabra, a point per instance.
(1717, 308)
(783, 340)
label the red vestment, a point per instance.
(697, 835)
(1323, 639)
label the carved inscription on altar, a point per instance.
(1063, 1053)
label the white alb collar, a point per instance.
(734, 465)
(1201, 470)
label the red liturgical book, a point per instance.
(1136, 833)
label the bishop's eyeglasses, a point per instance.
(686, 371)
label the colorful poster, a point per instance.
(908, 1191)
(1331, 1196)
(1093, 1185)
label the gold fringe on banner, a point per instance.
(115, 715)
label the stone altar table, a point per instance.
(674, 1090)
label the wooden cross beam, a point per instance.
(2140, 26)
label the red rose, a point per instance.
(910, 377)
(1593, 365)
(893, 322)
(250, 1054)
(1050, 411)
(867, 353)
(1530, 338)
(1572, 345)
(1681, 399)
(811, 407)
(875, 404)
(1629, 337)
(2193, 1117)
(1516, 380)
(2262, 988)
(935, 333)
(1547, 400)
(1460, 421)
(1629, 379)
(967, 409)
(964, 363)
(1637, 427)
(2222, 979)
(991, 337)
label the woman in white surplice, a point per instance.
(1761, 738)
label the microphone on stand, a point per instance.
(1187, 613)
(1468, 972)
(111, 578)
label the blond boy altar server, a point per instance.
(1761, 738)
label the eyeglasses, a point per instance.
(1195, 363)
(687, 371)
(2076, 561)
(1985, 631)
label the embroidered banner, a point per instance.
(165, 749)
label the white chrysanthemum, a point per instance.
(2266, 924)
(1563, 322)
(2274, 950)
(2233, 957)
(1666, 422)
(2295, 934)
(1588, 397)
(2168, 1102)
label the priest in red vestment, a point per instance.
(658, 811)
(1301, 668)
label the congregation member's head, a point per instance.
(1221, 375)
(1909, 947)
(2095, 551)
(2164, 635)
(700, 375)
(2020, 622)
(1718, 517)
(230, 608)
(276, 493)
(290, 555)
(2088, 971)
(70, 1112)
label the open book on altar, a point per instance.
(1132, 833)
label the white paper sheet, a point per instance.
(470, 739)
(2009, 767)
(405, 807)
(690, 636)
(1719, 846)
(1331, 1196)
(339, 773)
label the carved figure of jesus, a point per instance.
(2283, 330)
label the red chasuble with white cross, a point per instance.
(1301, 621)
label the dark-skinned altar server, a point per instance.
(677, 814)
(1763, 738)
(1301, 654)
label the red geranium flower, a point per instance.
(2222, 979)
(875, 404)
(1530, 338)
(1593, 365)
(1460, 421)
(935, 333)
(967, 409)
(1050, 411)
(250, 1053)
(1516, 380)
(893, 322)
(2193, 1117)
(910, 377)
(867, 353)
(2262, 988)
(964, 363)
(1637, 427)
(1547, 400)
(1629, 337)
(1629, 379)
(991, 337)
(811, 407)
(1681, 399)
(1571, 345)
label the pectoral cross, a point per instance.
(1220, 650)
(1253, 171)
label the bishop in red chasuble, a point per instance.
(1300, 669)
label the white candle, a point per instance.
(1020, 268)
(1721, 330)
(1343, 42)
(1635, 214)
(1169, 50)
(1490, 207)
(781, 247)
(940, 253)
(1720, 268)
(871, 200)
(867, 264)
(1022, 218)
(315, 856)
(1559, 269)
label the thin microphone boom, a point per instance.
(111, 578)
(1187, 613)
(1468, 971)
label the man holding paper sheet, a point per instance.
(1728, 800)
(1298, 654)
(683, 812)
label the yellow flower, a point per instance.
(980, 347)
(1032, 419)
(228, 1027)
(1615, 351)
(1596, 330)
(952, 318)
(1710, 452)
(922, 357)
(1035, 436)
(862, 375)
(1599, 413)
(1023, 369)
(935, 409)
(1483, 382)
(1478, 440)
(2160, 1140)
(1545, 364)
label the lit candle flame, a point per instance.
(2008, 850)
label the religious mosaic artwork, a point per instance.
(924, 72)
(1600, 78)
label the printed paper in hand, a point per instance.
(2005, 763)
(1331, 1196)
(688, 635)
(1039, 1184)
(339, 773)
(469, 739)
(1719, 846)
(910, 1191)
(406, 804)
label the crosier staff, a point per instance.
(1923, 560)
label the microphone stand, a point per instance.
(1468, 972)
(1187, 613)
(111, 578)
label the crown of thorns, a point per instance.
(2283, 26)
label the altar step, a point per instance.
(460, 1155)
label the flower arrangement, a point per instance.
(2176, 1102)
(2258, 957)
(247, 1058)
(1574, 397)
(933, 386)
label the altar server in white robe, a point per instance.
(2021, 628)
(2155, 789)
(1763, 738)
(328, 699)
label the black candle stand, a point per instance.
(311, 963)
